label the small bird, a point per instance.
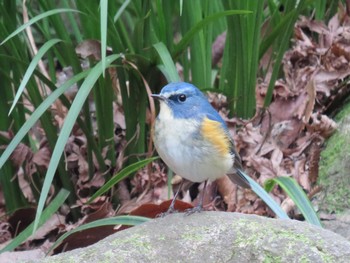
(193, 140)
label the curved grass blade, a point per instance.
(118, 220)
(294, 191)
(169, 69)
(182, 45)
(121, 10)
(31, 69)
(47, 213)
(36, 19)
(265, 197)
(120, 176)
(73, 113)
(34, 117)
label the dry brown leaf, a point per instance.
(5, 233)
(322, 125)
(264, 166)
(20, 155)
(49, 225)
(311, 92)
(228, 191)
(91, 48)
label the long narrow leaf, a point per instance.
(294, 191)
(169, 66)
(73, 113)
(182, 45)
(36, 19)
(118, 220)
(31, 69)
(103, 28)
(121, 175)
(265, 197)
(121, 9)
(47, 213)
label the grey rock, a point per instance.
(215, 237)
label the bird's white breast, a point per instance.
(182, 147)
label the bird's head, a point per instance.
(183, 100)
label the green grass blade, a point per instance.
(283, 43)
(294, 191)
(276, 31)
(103, 28)
(34, 117)
(121, 175)
(118, 220)
(265, 197)
(169, 66)
(47, 213)
(31, 69)
(121, 10)
(182, 45)
(73, 113)
(36, 19)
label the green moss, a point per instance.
(334, 166)
(272, 259)
(304, 259)
(343, 113)
(137, 240)
(256, 234)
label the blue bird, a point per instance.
(193, 140)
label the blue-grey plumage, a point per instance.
(192, 138)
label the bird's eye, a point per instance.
(182, 97)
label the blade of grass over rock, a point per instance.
(36, 19)
(73, 113)
(31, 69)
(46, 214)
(265, 197)
(168, 62)
(120, 176)
(118, 220)
(294, 191)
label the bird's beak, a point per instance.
(158, 97)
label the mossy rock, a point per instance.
(334, 176)
(215, 237)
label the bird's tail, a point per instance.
(239, 178)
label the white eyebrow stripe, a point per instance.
(169, 94)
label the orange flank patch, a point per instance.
(213, 132)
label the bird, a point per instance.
(193, 140)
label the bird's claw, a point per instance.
(171, 210)
(197, 209)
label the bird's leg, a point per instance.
(199, 207)
(171, 208)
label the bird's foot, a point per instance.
(196, 209)
(171, 210)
